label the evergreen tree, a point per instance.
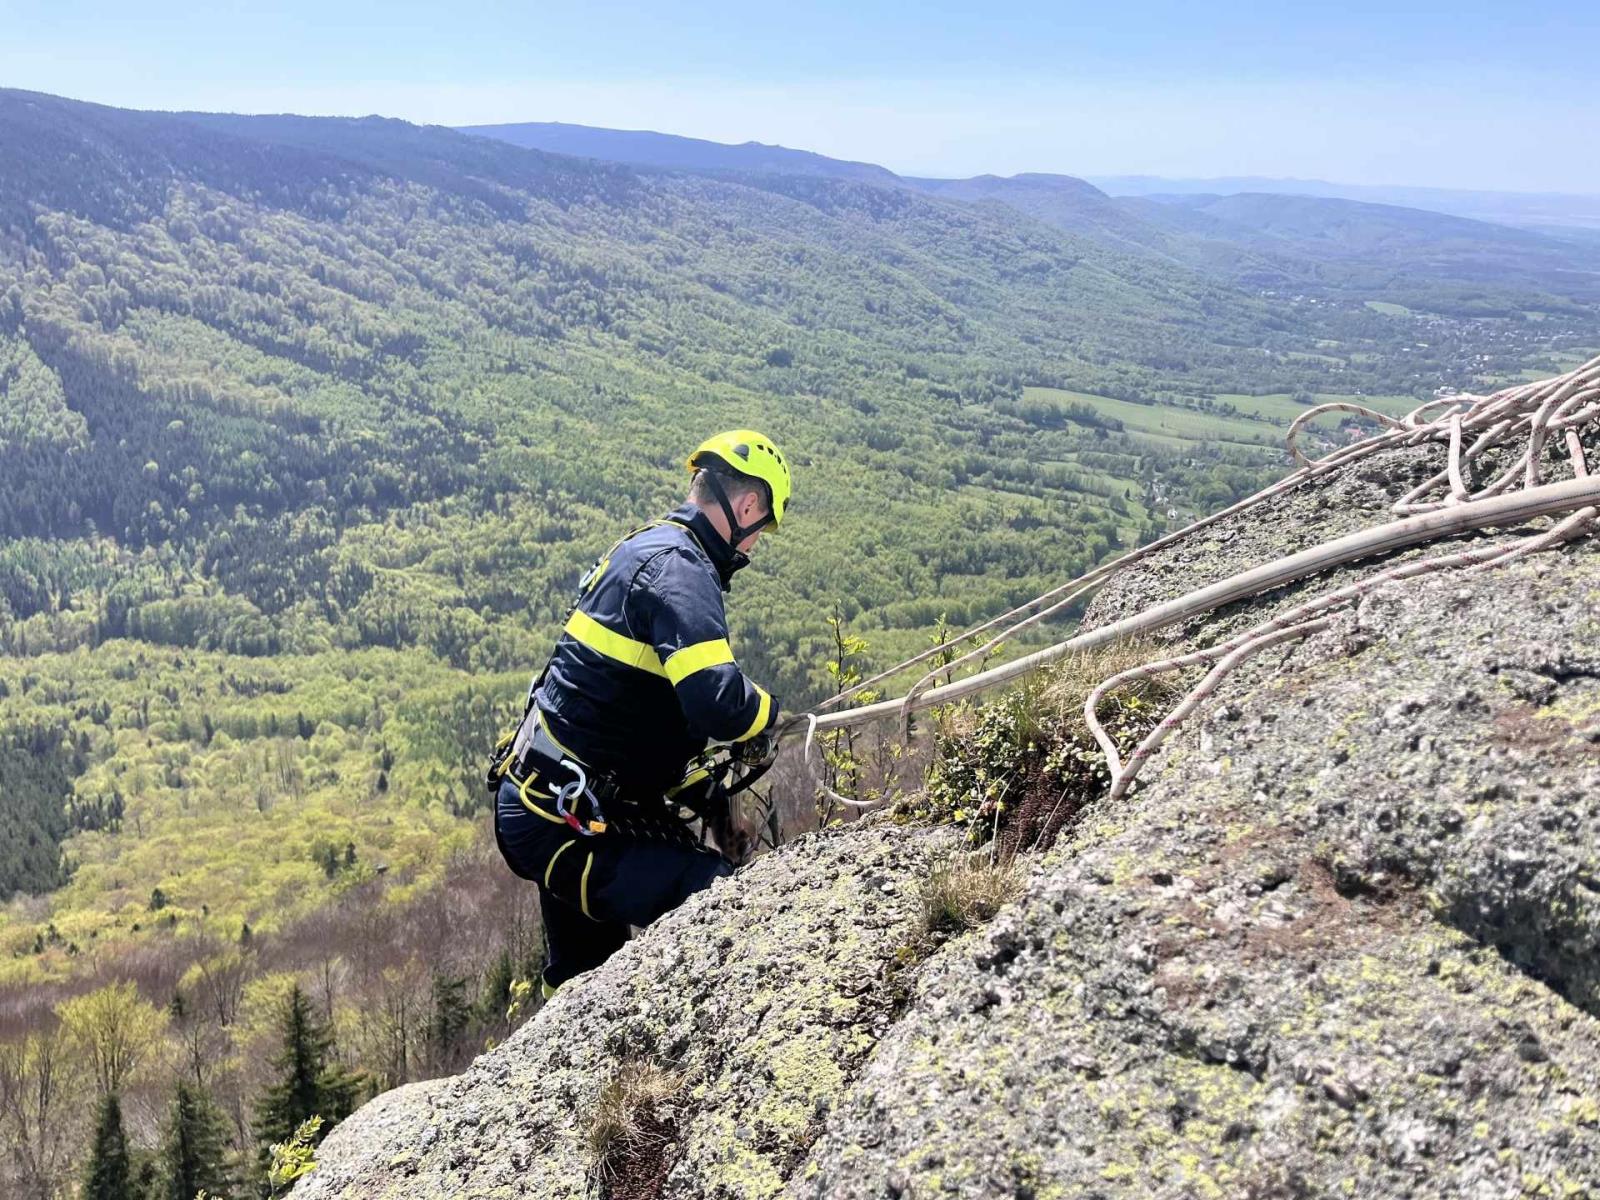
(450, 1018)
(309, 1082)
(107, 1175)
(194, 1154)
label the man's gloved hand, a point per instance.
(757, 751)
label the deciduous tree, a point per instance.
(114, 1029)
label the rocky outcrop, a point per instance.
(1340, 941)
(767, 993)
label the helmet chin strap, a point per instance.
(736, 532)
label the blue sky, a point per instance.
(1464, 94)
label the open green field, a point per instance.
(1105, 483)
(1281, 407)
(1388, 309)
(1555, 363)
(1172, 426)
(1259, 422)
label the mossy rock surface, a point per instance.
(1341, 941)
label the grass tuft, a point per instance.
(629, 1117)
(967, 890)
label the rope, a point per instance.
(1236, 649)
(1315, 469)
(1529, 411)
(1152, 741)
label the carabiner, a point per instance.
(570, 793)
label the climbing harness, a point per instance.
(576, 793)
(593, 803)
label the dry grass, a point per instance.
(1052, 700)
(967, 890)
(1061, 692)
(628, 1114)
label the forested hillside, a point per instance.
(309, 428)
(1313, 242)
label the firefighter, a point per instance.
(592, 788)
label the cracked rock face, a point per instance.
(1340, 941)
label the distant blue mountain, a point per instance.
(1058, 200)
(1292, 234)
(1545, 211)
(649, 149)
(1527, 209)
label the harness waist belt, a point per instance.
(583, 802)
(535, 750)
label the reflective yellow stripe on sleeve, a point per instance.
(685, 662)
(586, 631)
(763, 714)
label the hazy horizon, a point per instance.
(1430, 96)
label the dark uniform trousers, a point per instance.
(591, 889)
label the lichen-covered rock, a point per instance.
(767, 993)
(1340, 941)
(1253, 976)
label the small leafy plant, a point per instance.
(294, 1158)
(1020, 768)
(842, 762)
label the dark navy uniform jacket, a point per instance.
(643, 678)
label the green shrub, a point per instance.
(1020, 767)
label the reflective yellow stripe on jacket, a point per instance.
(586, 631)
(684, 663)
(763, 715)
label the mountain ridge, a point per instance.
(1244, 244)
(1526, 209)
(648, 148)
(1523, 209)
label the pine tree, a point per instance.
(309, 1083)
(194, 1154)
(107, 1175)
(449, 1020)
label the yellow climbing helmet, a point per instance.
(747, 452)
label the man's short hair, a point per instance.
(733, 482)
